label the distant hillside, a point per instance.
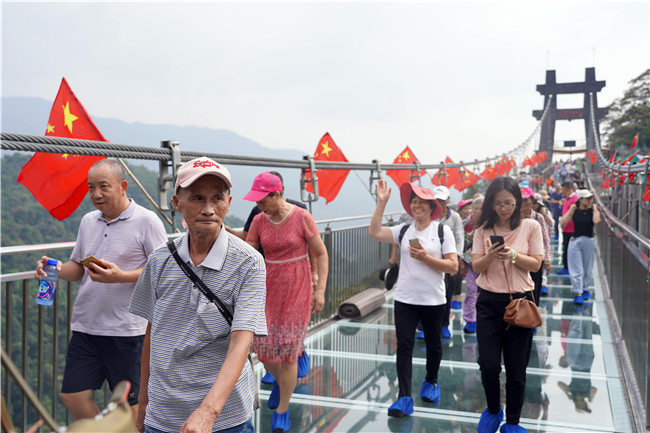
(29, 115)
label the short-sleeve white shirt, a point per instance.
(417, 283)
(127, 241)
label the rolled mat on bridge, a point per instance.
(362, 303)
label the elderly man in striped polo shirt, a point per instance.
(195, 372)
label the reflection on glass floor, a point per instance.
(573, 381)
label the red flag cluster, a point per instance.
(455, 177)
(532, 161)
(504, 165)
(404, 176)
(59, 182)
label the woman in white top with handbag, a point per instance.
(420, 293)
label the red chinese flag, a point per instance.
(594, 155)
(489, 173)
(59, 182)
(466, 179)
(634, 141)
(404, 176)
(329, 181)
(646, 193)
(447, 177)
(611, 158)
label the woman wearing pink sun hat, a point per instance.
(420, 293)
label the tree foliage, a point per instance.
(26, 222)
(630, 115)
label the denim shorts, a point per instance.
(246, 427)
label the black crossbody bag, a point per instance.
(227, 315)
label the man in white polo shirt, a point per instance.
(195, 372)
(106, 339)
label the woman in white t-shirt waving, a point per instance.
(504, 267)
(420, 292)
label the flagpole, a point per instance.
(137, 182)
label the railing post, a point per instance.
(9, 317)
(165, 178)
(25, 347)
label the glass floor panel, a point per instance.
(573, 379)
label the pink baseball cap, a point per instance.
(405, 191)
(527, 192)
(263, 184)
(463, 203)
(192, 170)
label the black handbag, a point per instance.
(227, 315)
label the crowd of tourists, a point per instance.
(178, 319)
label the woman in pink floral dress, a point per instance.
(288, 234)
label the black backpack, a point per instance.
(441, 234)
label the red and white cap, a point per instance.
(192, 170)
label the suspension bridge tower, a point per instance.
(551, 89)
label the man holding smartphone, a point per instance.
(106, 339)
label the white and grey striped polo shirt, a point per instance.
(190, 337)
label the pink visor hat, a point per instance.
(463, 203)
(405, 191)
(527, 192)
(263, 184)
(196, 168)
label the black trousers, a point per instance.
(453, 286)
(493, 341)
(407, 317)
(566, 238)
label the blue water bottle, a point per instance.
(47, 287)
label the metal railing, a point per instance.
(623, 257)
(36, 337)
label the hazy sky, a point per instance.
(445, 78)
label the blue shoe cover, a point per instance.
(543, 291)
(578, 300)
(489, 423)
(470, 328)
(303, 365)
(430, 393)
(513, 428)
(402, 407)
(456, 305)
(586, 295)
(280, 422)
(445, 332)
(274, 398)
(420, 335)
(563, 272)
(268, 378)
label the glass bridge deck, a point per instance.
(573, 379)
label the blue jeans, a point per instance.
(581, 254)
(246, 427)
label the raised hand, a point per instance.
(383, 191)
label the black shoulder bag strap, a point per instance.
(441, 233)
(402, 232)
(199, 283)
(227, 315)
